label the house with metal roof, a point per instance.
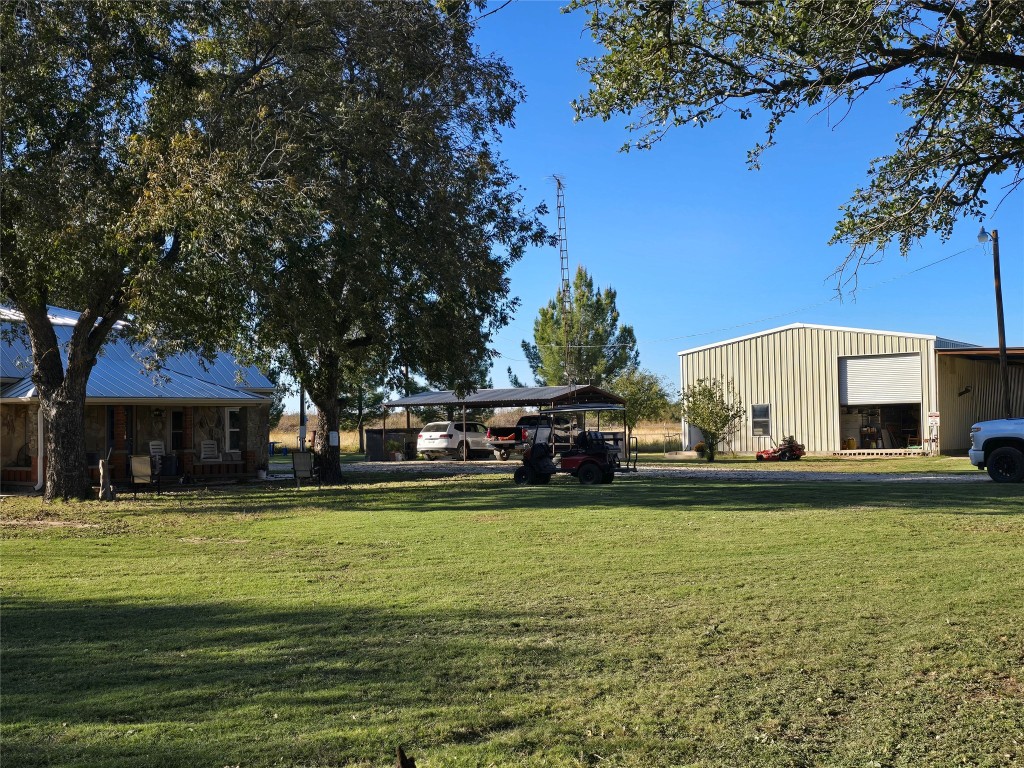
(203, 418)
(853, 390)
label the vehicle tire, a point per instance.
(784, 456)
(458, 451)
(1006, 464)
(542, 479)
(589, 474)
(608, 477)
(760, 457)
(501, 455)
(524, 476)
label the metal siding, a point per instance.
(958, 412)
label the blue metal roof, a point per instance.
(121, 372)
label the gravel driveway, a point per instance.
(777, 473)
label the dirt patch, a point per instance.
(202, 540)
(47, 524)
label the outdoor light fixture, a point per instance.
(158, 413)
(983, 236)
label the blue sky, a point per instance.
(701, 249)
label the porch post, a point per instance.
(188, 452)
(120, 459)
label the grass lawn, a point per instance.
(652, 622)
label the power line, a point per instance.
(768, 318)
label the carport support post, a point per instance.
(465, 437)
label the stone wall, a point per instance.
(17, 428)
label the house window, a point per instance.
(234, 429)
(761, 420)
(177, 430)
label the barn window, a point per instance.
(761, 420)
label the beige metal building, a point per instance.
(849, 389)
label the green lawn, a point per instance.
(652, 622)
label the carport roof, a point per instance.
(511, 398)
(1014, 355)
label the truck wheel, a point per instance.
(1005, 465)
(524, 476)
(589, 474)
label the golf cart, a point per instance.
(592, 456)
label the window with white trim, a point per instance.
(761, 420)
(233, 425)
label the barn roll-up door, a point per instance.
(880, 379)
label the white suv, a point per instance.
(446, 438)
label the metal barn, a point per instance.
(849, 389)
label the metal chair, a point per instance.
(145, 472)
(304, 468)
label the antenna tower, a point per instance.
(565, 290)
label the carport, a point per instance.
(512, 397)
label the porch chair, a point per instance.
(304, 469)
(145, 472)
(208, 451)
(156, 448)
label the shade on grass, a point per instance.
(646, 623)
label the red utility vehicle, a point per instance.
(592, 456)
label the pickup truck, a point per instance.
(998, 446)
(505, 441)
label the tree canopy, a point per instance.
(319, 179)
(955, 68)
(644, 392)
(410, 219)
(128, 180)
(599, 349)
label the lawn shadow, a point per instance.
(102, 665)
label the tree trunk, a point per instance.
(330, 455)
(67, 473)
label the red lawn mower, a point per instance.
(788, 450)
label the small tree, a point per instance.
(644, 393)
(713, 408)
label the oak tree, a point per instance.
(410, 219)
(128, 177)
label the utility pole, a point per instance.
(565, 290)
(1004, 370)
